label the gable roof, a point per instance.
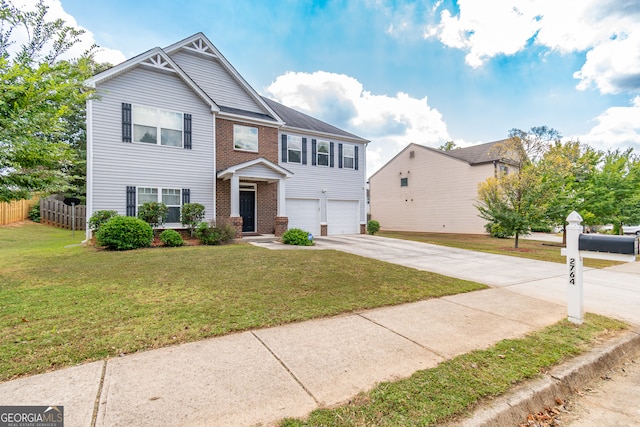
(295, 120)
(473, 155)
(154, 58)
(200, 44)
(477, 154)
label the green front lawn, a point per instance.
(60, 305)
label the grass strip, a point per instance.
(454, 387)
(61, 305)
(531, 249)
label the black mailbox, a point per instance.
(625, 245)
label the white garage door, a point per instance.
(342, 217)
(304, 214)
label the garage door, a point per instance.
(304, 214)
(342, 217)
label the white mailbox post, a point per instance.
(575, 287)
(579, 246)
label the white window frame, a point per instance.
(345, 157)
(158, 126)
(240, 135)
(293, 139)
(318, 153)
(159, 198)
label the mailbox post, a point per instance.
(575, 287)
(579, 246)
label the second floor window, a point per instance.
(155, 126)
(348, 156)
(294, 149)
(323, 153)
(245, 138)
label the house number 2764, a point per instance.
(572, 271)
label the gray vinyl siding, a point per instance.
(309, 181)
(216, 81)
(118, 164)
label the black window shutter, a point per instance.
(355, 159)
(126, 122)
(186, 196)
(313, 152)
(331, 162)
(284, 148)
(131, 201)
(340, 156)
(187, 131)
(304, 151)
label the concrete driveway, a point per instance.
(613, 291)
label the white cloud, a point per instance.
(390, 122)
(56, 11)
(617, 127)
(609, 31)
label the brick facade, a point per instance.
(227, 156)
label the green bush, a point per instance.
(373, 227)
(100, 217)
(496, 230)
(298, 237)
(122, 233)
(34, 213)
(209, 234)
(192, 214)
(153, 213)
(171, 238)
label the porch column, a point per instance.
(235, 195)
(282, 210)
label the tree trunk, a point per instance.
(564, 235)
(516, 241)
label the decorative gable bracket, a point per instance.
(202, 47)
(158, 61)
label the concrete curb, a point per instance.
(562, 381)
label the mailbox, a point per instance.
(625, 245)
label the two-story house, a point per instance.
(429, 190)
(180, 125)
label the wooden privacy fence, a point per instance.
(16, 211)
(55, 212)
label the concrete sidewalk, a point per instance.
(258, 377)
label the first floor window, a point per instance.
(155, 126)
(348, 156)
(294, 149)
(171, 197)
(323, 153)
(245, 138)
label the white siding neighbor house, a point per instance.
(180, 125)
(428, 190)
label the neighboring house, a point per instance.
(430, 190)
(180, 125)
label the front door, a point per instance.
(248, 211)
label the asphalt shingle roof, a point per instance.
(296, 119)
(477, 154)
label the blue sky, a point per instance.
(397, 72)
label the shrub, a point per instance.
(171, 238)
(298, 237)
(373, 227)
(192, 214)
(209, 234)
(122, 233)
(153, 213)
(496, 230)
(34, 213)
(100, 217)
